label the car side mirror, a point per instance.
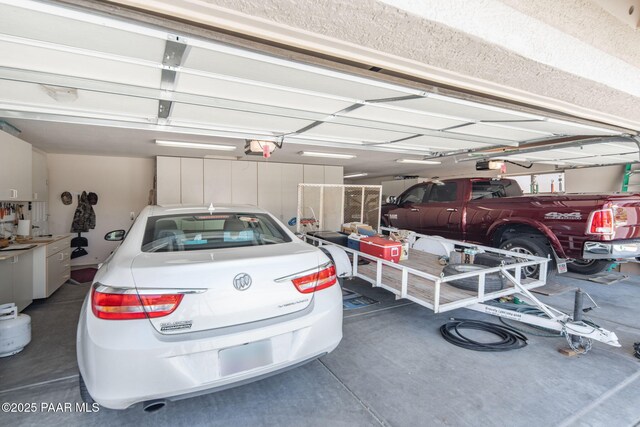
(392, 200)
(115, 235)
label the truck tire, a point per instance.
(492, 282)
(530, 245)
(588, 266)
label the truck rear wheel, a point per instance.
(588, 266)
(532, 245)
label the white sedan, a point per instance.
(196, 300)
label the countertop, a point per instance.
(37, 241)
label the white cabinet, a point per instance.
(292, 175)
(270, 185)
(313, 174)
(244, 183)
(16, 277)
(168, 180)
(333, 175)
(15, 172)
(51, 267)
(39, 174)
(270, 188)
(191, 181)
(217, 181)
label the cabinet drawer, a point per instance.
(58, 270)
(55, 247)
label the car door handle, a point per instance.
(415, 210)
(452, 210)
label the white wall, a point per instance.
(121, 183)
(603, 179)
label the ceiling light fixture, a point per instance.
(328, 155)
(198, 145)
(355, 175)
(419, 161)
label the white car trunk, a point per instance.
(213, 272)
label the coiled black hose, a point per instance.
(510, 339)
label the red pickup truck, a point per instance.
(586, 230)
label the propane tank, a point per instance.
(15, 330)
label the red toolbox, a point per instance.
(381, 248)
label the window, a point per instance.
(493, 189)
(172, 233)
(443, 193)
(414, 195)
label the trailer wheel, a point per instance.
(533, 245)
(588, 266)
(493, 282)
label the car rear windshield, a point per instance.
(188, 232)
(494, 189)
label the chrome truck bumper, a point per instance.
(619, 249)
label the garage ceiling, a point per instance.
(64, 71)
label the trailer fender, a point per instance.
(537, 225)
(340, 260)
(435, 245)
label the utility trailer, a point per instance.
(419, 278)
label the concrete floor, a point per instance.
(392, 368)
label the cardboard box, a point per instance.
(381, 248)
(352, 227)
(404, 254)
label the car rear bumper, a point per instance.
(127, 362)
(617, 249)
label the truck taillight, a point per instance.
(601, 222)
(125, 303)
(322, 279)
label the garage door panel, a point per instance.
(563, 128)
(240, 120)
(402, 117)
(73, 64)
(87, 102)
(64, 31)
(328, 130)
(462, 111)
(499, 132)
(263, 71)
(219, 88)
(437, 143)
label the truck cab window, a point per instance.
(494, 189)
(443, 193)
(414, 195)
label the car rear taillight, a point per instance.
(125, 304)
(321, 279)
(601, 222)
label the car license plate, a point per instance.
(245, 357)
(562, 267)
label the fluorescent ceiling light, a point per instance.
(419, 161)
(198, 145)
(328, 155)
(356, 175)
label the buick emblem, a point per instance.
(242, 282)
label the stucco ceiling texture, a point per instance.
(410, 29)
